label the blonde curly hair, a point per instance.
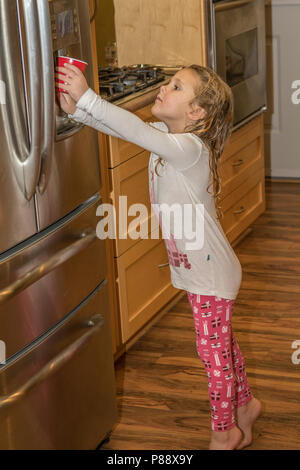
(216, 98)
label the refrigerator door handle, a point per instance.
(25, 160)
(49, 95)
(94, 325)
(32, 164)
(41, 270)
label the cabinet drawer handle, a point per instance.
(238, 162)
(163, 265)
(240, 211)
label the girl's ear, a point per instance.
(196, 113)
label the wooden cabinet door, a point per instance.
(168, 32)
(244, 205)
(144, 284)
(119, 150)
(130, 182)
(243, 155)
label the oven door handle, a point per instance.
(231, 5)
(41, 270)
(95, 323)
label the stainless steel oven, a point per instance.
(236, 51)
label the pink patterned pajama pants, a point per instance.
(222, 358)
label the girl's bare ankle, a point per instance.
(223, 435)
(246, 406)
(226, 440)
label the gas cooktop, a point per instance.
(117, 83)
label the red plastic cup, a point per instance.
(62, 60)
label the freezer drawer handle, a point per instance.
(40, 271)
(94, 325)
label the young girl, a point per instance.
(195, 113)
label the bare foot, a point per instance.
(246, 416)
(226, 440)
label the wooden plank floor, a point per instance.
(161, 383)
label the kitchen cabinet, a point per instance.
(244, 205)
(141, 275)
(243, 154)
(120, 150)
(144, 284)
(168, 32)
(130, 181)
(242, 172)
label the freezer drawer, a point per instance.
(60, 394)
(44, 280)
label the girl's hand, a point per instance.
(74, 81)
(67, 104)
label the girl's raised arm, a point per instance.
(82, 116)
(181, 150)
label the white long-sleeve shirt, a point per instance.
(201, 259)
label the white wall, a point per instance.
(282, 128)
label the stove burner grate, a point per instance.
(116, 83)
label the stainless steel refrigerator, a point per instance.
(57, 388)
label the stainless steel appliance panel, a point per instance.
(57, 385)
(17, 214)
(238, 52)
(70, 170)
(37, 409)
(74, 177)
(43, 281)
